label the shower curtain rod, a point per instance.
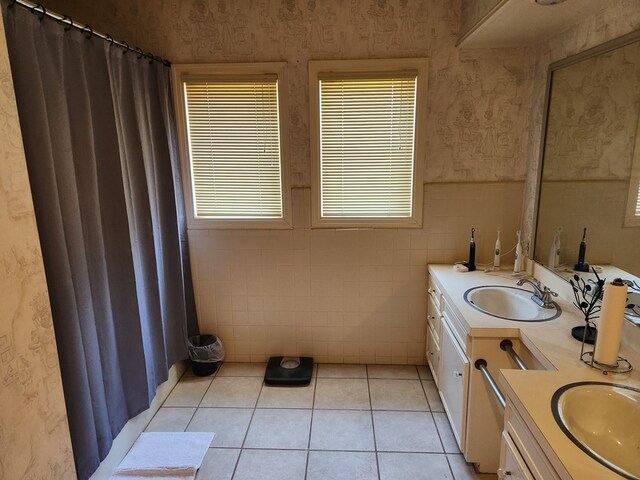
(39, 10)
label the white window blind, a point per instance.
(367, 129)
(638, 199)
(234, 148)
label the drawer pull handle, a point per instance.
(430, 353)
(504, 473)
(457, 374)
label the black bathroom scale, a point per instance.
(297, 376)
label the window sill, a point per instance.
(238, 224)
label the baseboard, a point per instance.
(134, 427)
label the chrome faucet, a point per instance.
(541, 294)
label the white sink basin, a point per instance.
(603, 419)
(509, 303)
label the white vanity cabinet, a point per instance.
(476, 418)
(447, 359)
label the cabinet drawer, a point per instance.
(433, 355)
(434, 318)
(435, 294)
(512, 465)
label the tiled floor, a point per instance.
(353, 422)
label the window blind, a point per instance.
(367, 147)
(234, 148)
(638, 200)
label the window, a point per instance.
(231, 141)
(367, 149)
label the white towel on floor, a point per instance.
(164, 456)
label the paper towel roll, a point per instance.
(610, 324)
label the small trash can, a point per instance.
(206, 352)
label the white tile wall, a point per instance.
(341, 296)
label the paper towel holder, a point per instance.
(590, 309)
(622, 364)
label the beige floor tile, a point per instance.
(424, 372)
(334, 370)
(413, 466)
(406, 432)
(242, 370)
(464, 471)
(433, 397)
(271, 465)
(188, 392)
(279, 428)
(341, 430)
(287, 397)
(342, 466)
(218, 464)
(398, 372)
(171, 419)
(446, 434)
(342, 394)
(229, 424)
(397, 395)
(233, 392)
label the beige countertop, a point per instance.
(551, 343)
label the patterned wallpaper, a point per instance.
(34, 436)
(478, 101)
(473, 11)
(606, 25)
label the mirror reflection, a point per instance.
(589, 203)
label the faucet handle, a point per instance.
(548, 291)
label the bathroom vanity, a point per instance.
(521, 440)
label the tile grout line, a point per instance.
(215, 374)
(246, 434)
(444, 451)
(313, 404)
(373, 425)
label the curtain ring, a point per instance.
(139, 51)
(166, 63)
(89, 30)
(125, 45)
(66, 19)
(41, 14)
(108, 38)
(151, 57)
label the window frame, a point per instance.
(354, 69)
(229, 72)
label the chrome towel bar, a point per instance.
(481, 365)
(507, 346)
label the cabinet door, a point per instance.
(512, 465)
(454, 376)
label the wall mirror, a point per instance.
(590, 166)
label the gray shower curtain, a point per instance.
(99, 138)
